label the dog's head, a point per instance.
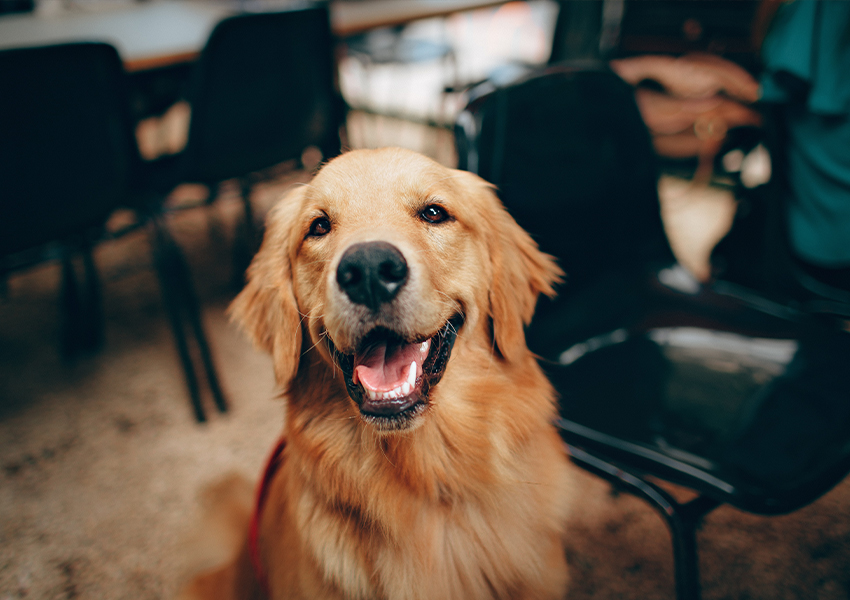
(380, 265)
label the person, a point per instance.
(806, 58)
(697, 99)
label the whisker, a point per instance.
(319, 341)
(451, 301)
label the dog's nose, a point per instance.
(371, 273)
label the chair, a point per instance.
(757, 254)
(68, 159)
(262, 92)
(50, 192)
(578, 33)
(743, 400)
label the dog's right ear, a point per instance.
(266, 308)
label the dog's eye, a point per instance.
(320, 227)
(433, 213)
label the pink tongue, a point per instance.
(384, 367)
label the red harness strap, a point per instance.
(272, 466)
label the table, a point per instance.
(354, 16)
(159, 33)
(147, 35)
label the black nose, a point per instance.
(371, 273)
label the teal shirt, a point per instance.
(807, 67)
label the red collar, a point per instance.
(272, 466)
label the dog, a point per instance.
(419, 458)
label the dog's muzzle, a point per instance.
(388, 375)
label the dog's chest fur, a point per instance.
(380, 523)
(462, 550)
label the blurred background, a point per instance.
(142, 143)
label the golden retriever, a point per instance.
(420, 458)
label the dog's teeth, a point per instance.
(411, 375)
(400, 392)
(424, 347)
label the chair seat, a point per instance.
(746, 403)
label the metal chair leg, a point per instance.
(191, 305)
(93, 304)
(81, 305)
(683, 524)
(246, 238)
(71, 309)
(169, 283)
(682, 519)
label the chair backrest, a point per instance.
(66, 141)
(573, 163)
(263, 91)
(577, 31)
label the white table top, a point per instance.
(156, 33)
(144, 32)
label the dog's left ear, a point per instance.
(266, 308)
(520, 273)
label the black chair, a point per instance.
(262, 92)
(757, 254)
(743, 400)
(68, 159)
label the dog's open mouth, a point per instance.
(390, 378)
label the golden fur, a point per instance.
(467, 499)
